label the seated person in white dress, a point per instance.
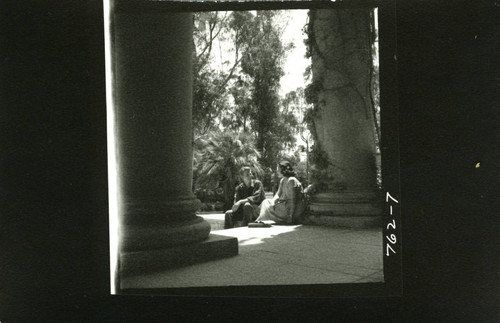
(288, 205)
(249, 194)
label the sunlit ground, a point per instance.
(254, 236)
(282, 255)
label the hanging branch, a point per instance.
(233, 68)
(212, 37)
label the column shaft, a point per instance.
(153, 97)
(344, 123)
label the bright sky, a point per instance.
(295, 63)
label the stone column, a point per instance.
(344, 121)
(152, 69)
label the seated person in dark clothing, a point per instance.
(249, 194)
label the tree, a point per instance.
(241, 94)
(262, 61)
(296, 101)
(219, 159)
(211, 95)
(216, 87)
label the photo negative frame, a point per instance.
(390, 199)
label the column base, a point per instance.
(350, 209)
(141, 262)
(348, 221)
(138, 237)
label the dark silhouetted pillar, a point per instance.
(152, 70)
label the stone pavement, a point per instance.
(282, 255)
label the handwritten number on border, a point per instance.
(388, 247)
(391, 225)
(387, 196)
(392, 238)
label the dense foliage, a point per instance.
(238, 62)
(218, 159)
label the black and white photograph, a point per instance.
(245, 149)
(217, 161)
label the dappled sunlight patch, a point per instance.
(253, 236)
(252, 241)
(213, 216)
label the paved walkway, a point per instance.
(282, 255)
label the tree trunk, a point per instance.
(229, 190)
